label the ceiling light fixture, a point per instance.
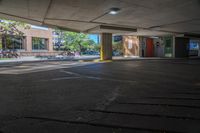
(114, 11)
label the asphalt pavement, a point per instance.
(133, 96)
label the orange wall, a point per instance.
(149, 47)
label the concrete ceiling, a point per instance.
(150, 17)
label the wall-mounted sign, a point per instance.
(117, 38)
(130, 44)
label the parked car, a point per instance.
(116, 53)
(91, 53)
(193, 53)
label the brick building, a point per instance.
(35, 41)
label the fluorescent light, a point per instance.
(114, 11)
(39, 27)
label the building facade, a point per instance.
(142, 46)
(162, 46)
(35, 41)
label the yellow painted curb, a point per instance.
(97, 60)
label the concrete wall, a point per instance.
(159, 47)
(131, 46)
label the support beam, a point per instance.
(106, 46)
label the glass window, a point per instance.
(168, 41)
(39, 43)
(12, 42)
(194, 44)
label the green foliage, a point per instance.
(76, 41)
(1, 45)
(8, 27)
(118, 47)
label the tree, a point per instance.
(75, 41)
(117, 47)
(11, 28)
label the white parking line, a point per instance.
(98, 78)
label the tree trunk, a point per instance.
(1, 42)
(80, 48)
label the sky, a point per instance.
(94, 37)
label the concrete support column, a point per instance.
(106, 46)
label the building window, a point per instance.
(39, 43)
(12, 42)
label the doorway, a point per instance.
(149, 47)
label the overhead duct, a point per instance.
(192, 35)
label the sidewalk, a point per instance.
(83, 58)
(22, 59)
(36, 59)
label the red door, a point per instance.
(149, 47)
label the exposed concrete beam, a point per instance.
(47, 11)
(61, 28)
(178, 22)
(71, 20)
(113, 28)
(100, 23)
(192, 35)
(19, 17)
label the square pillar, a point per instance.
(106, 46)
(28, 46)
